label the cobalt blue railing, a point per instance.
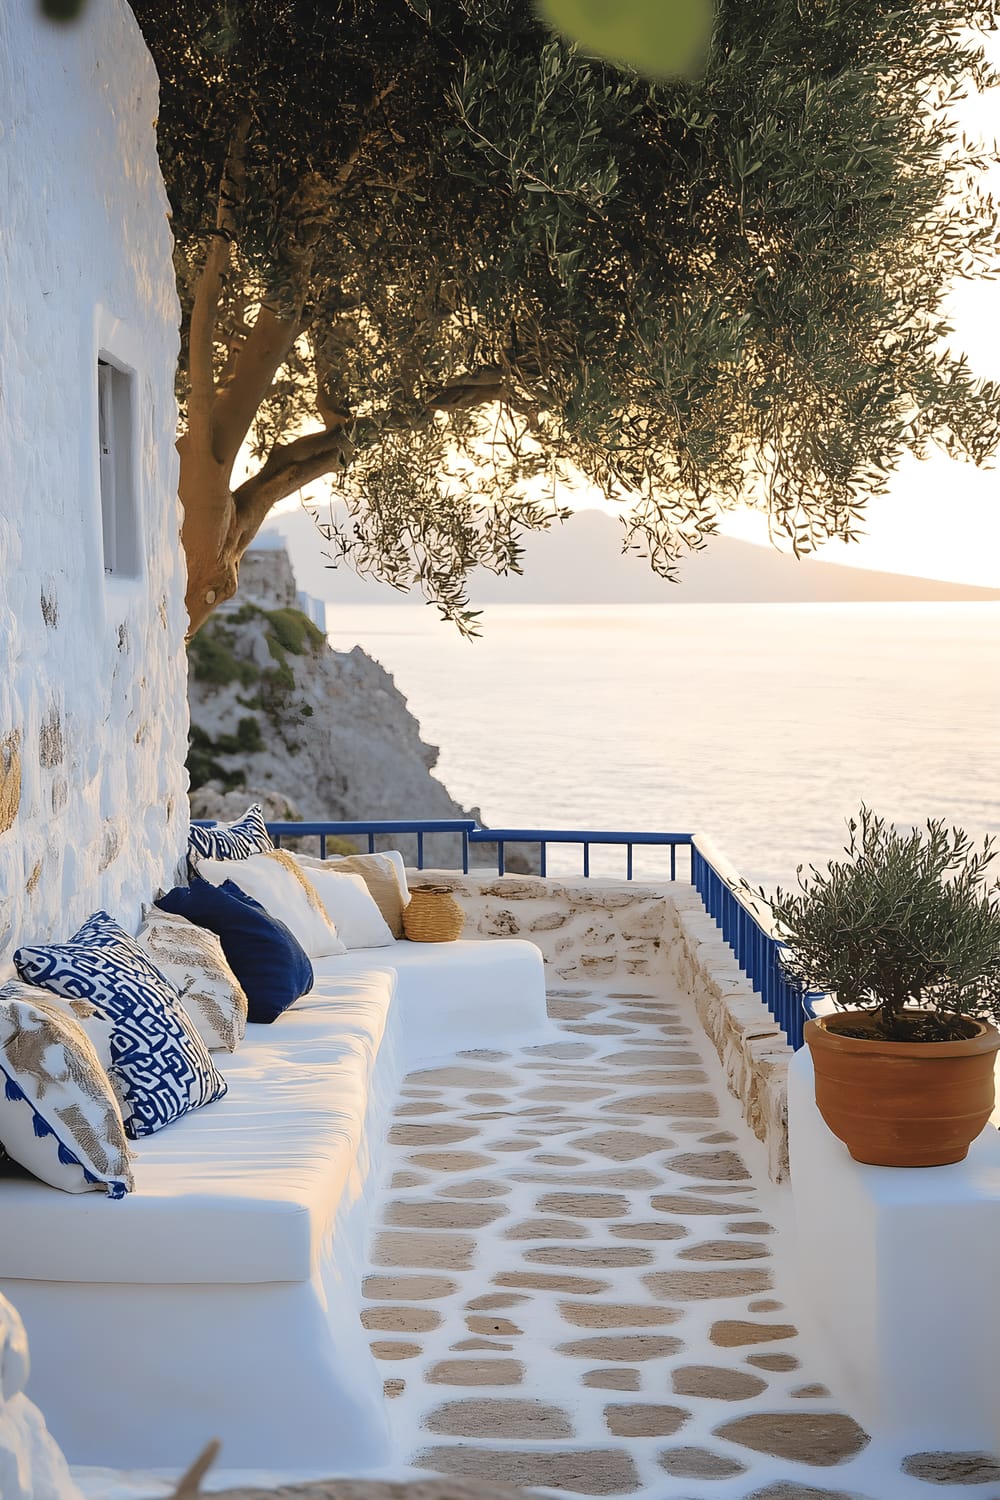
(463, 827)
(470, 833)
(746, 926)
(744, 923)
(545, 836)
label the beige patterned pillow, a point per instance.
(378, 873)
(191, 958)
(59, 1117)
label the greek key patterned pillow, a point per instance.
(161, 1061)
(192, 959)
(59, 1118)
(238, 840)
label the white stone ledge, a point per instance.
(900, 1273)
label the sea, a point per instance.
(764, 726)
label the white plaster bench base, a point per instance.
(900, 1270)
(454, 996)
(221, 1298)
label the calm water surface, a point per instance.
(762, 725)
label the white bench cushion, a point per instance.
(247, 1189)
(243, 1190)
(455, 996)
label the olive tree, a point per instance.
(446, 262)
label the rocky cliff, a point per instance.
(313, 733)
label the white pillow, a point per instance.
(350, 906)
(379, 874)
(192, 959)
(285, 892)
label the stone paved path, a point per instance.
(572, 1283)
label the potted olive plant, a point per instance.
(904, 934)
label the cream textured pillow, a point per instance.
(396, 860)
(97, 1028)
(284, 891)
(378, 873)
(59, 1117)
(349, 905)
(191, 958)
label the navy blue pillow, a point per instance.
(269, 962)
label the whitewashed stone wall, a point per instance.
(750, 1043)
(586, 929)
(31, 1465)
(93, 715)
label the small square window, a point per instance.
(115, 430)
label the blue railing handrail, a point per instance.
(744, 922)
(375, 826)
(747, 927)
(375, 829)
(585, 837)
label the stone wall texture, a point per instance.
(93, 712)
(589, 930)
(750, 1043)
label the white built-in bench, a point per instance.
(221, 1298)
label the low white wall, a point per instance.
(900, 1276)
(592, 930)
(31, 1465)
(93, 714)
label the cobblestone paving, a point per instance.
(572, 1284)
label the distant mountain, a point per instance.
(581, 562)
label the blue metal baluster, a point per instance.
(628, 862)
(542, 848)
(500, 863)
(371, 843)
(465, 851)
(420, 851)
(586, 861)
(673, 861)
(322, 846)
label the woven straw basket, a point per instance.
(432, 915)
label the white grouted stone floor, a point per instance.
(575, 1283)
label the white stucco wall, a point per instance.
(93, 712)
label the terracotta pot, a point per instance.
(902, 1104)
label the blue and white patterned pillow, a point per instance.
(248, 835)
(160, 1060)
